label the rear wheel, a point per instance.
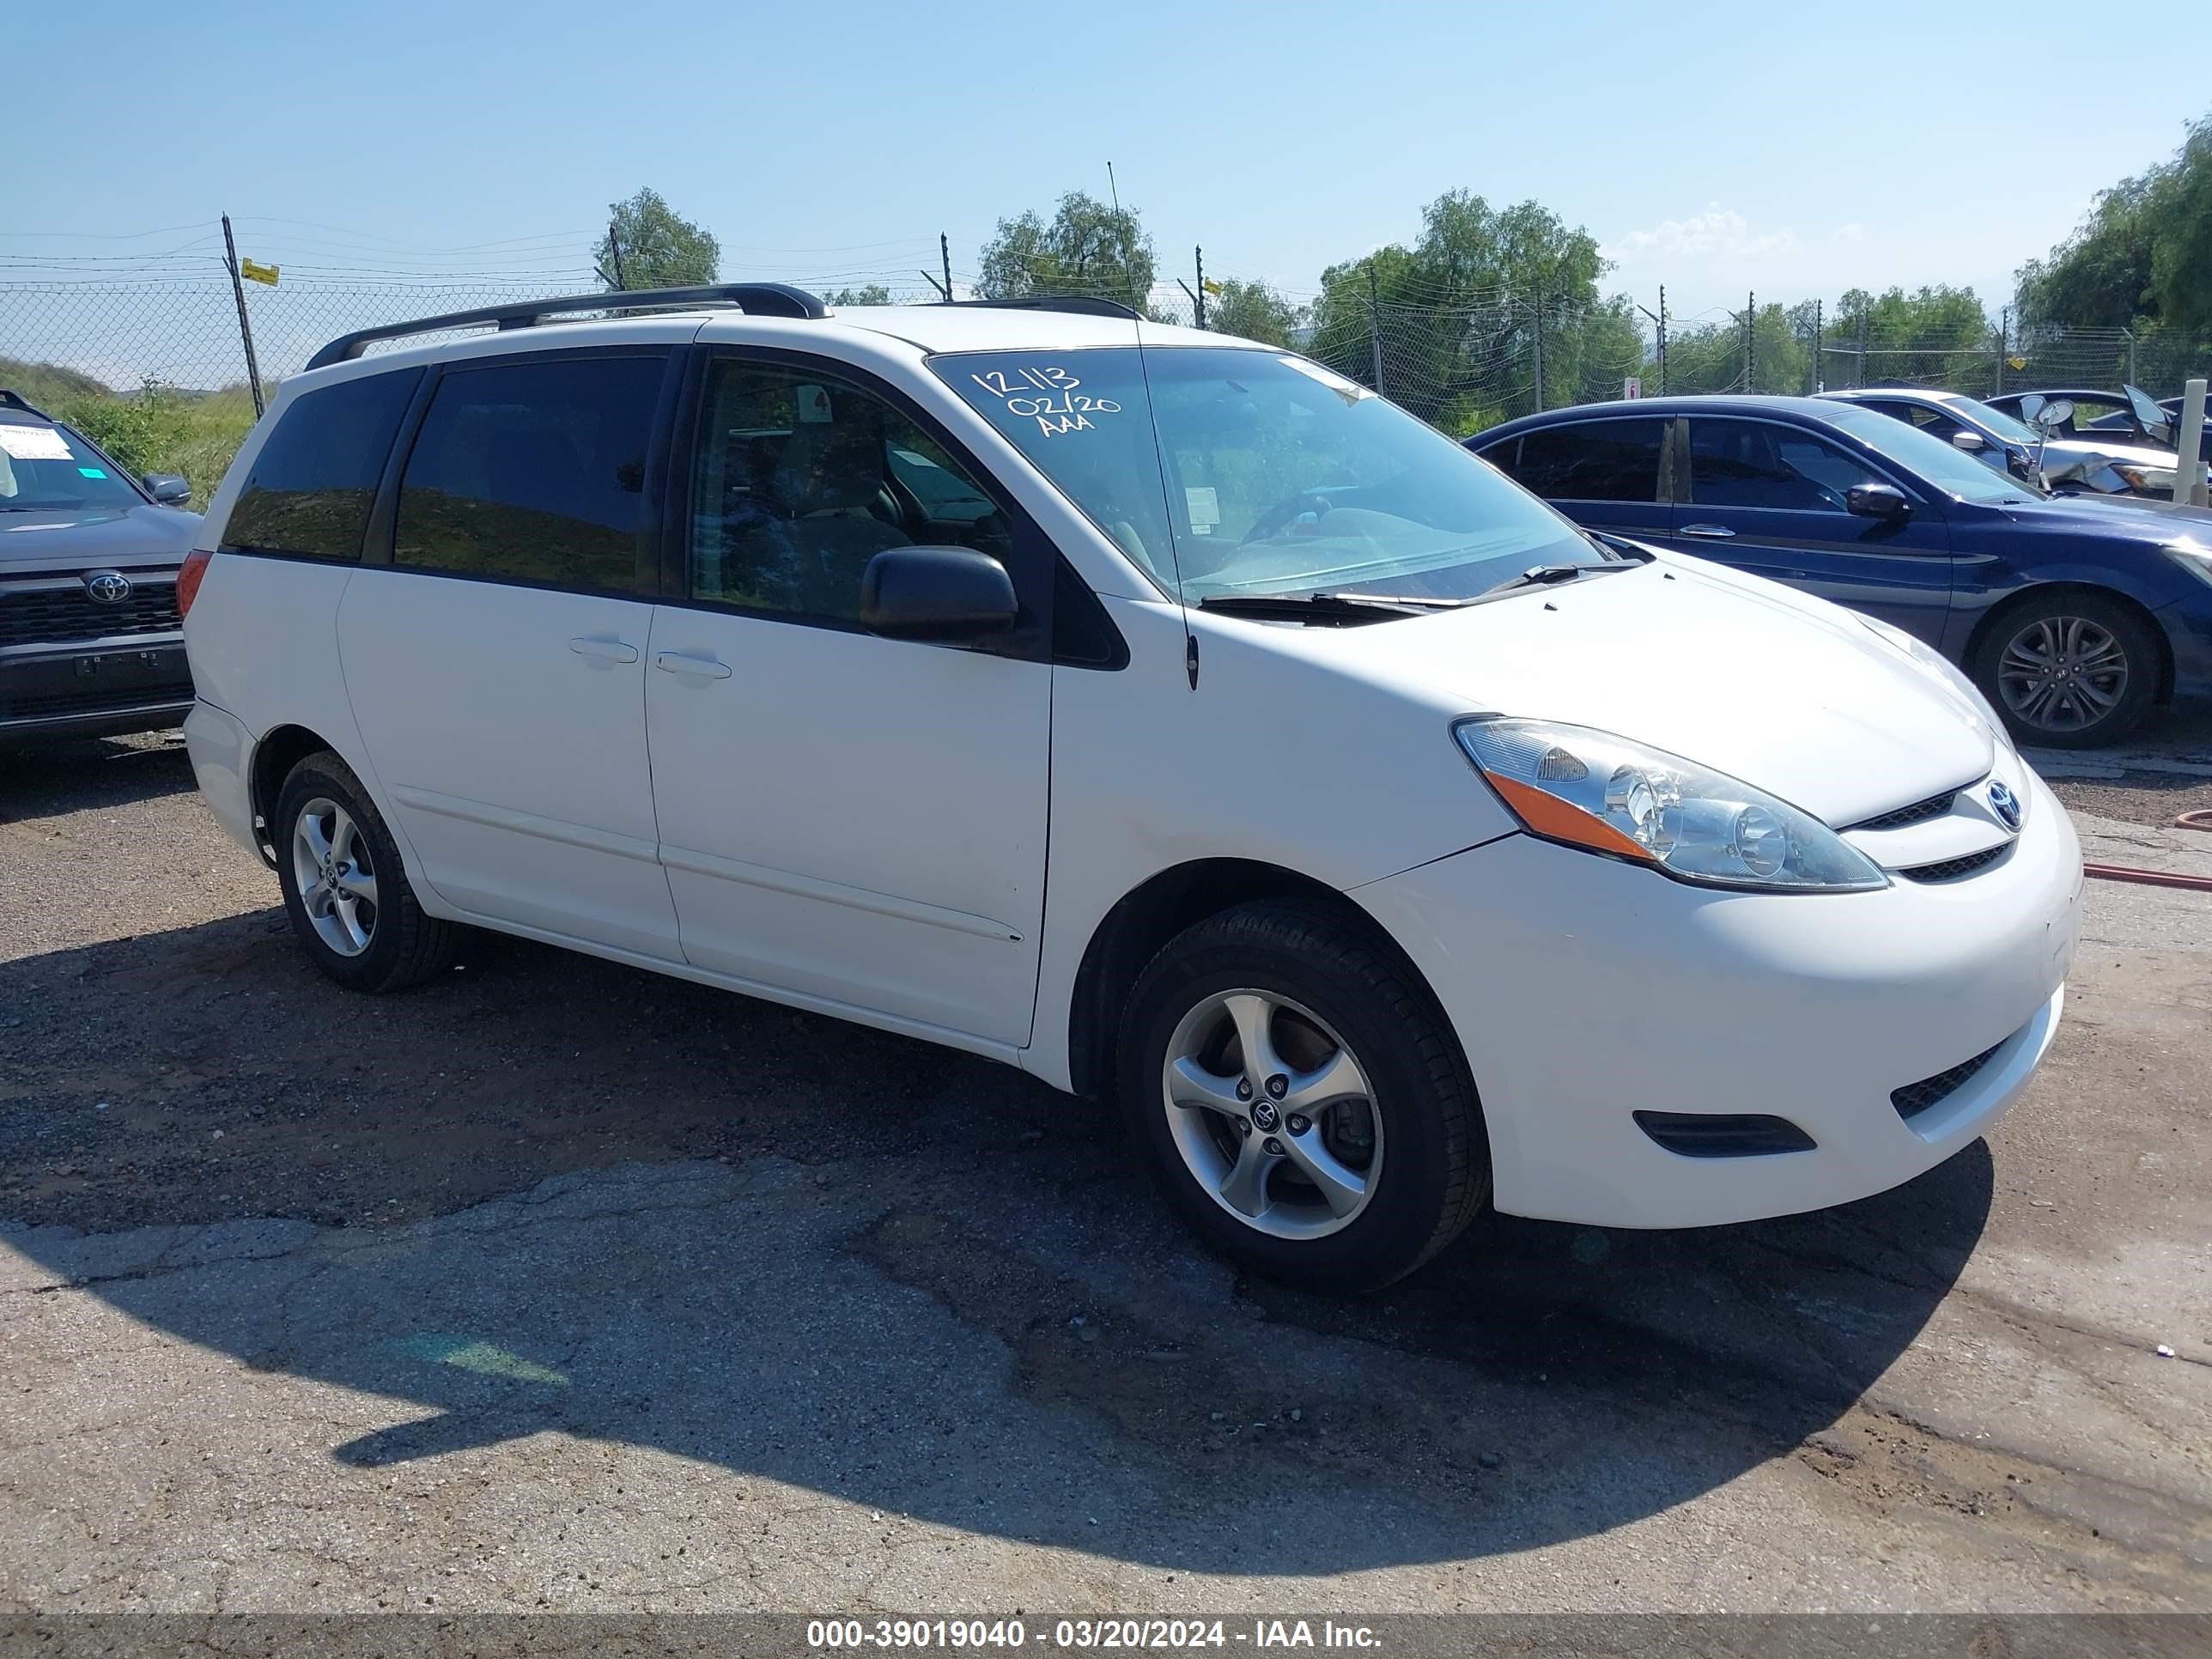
(345, 889)
(1306, 1109)
(2071, 670)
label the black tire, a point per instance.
(2117, 620)
(405, 945)
(1434, 1172)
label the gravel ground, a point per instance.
(557, 1286)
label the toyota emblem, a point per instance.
(108, 586)
(2006, 805)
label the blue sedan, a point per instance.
(2074, 617)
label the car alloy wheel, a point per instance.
(1273, 1114)
(336, 878)
(2063, 674)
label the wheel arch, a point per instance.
(2021, 598)
(1132, 931)
(274, 756)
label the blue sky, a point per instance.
(1792, 150)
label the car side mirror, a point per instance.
(1970, 441)
(951, 595)
(1879, 500)
(2054, 414)
(170, 489)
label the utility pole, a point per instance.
(244, 327)
(1198, 260)
(1539, 341)
(1750, 353)
(944, 252)
(1375, 326)
(1659, 323)
(1818, 385)
(2128, 334)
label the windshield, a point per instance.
(52, 469)
(1284, 478)
(2009, 428)
(1942, 466)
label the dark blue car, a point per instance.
(2074, 617)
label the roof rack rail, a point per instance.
(756, 299)
(12, 400)
(1083, 304)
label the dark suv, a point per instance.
(90, 640)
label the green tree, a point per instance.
(649, 244)
(1088, 247)
(2139, 257)
(871, 293)
(1252, 310)
(1934, 336)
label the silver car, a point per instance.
(2082, 463)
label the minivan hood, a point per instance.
(1776, 688)
(143, 534)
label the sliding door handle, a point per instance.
(604, 650)
(1716, 531)
(674, 662)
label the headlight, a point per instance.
(1944, 669)
(2147, 479)
(1606, 794)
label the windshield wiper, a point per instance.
(1321, 608)
(1548, 575)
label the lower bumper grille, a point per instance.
(1915, 1099)
(1952, 869)
(1717, 1134)
(93, 700)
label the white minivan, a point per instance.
(1161, 713)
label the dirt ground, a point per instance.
(558, 1285)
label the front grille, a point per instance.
(54, 616)
(1915, 1099)
(93, 699)
(1952, 869)
(1920, 812)
(1723, 1134)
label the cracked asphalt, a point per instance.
(559, 1286)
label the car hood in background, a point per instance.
(1778, 689)
(118, 535)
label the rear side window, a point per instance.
(1592, 461)
(533, 473)
(315, 477)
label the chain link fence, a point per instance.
(157, 369)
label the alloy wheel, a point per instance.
(2062, 674)
(336, 877)
(1272, 1114)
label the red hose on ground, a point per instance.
(2159, 877)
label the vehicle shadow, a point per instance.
(85, 773)
(548, 1194)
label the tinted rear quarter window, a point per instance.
(533, 473)
(315, 477)
(1591, 461)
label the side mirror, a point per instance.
(2030, 407)
(1970, 441)
(170, 489)
(1879, 500)
(947, 594)
(2057, 412)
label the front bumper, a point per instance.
(133, 683)
(1584, 990)
(2188, 625)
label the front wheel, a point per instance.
(2072, 670)
(1303, 1103)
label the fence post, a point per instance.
(1539, 349)
(244, 327)
(1750, 351)
(1862, 354)
(1198, 264)
(1374, 326)
(944, 252)
(1663, 339)
(2189, 439)
(2129, 335)
(1817, 382)
(2004, 329)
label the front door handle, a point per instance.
(674, 662)
(604, 650)
(1718, 532)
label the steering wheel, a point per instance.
(1306, 500)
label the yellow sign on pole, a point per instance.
(2016, 364)
(254, 273)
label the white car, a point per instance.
(1159, 713)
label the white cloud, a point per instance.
(1717, 231)
(1853, 232)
